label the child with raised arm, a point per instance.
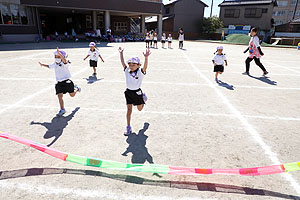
(93, 54)
(64, 84)
(134, 77)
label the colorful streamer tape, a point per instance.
(153, 168)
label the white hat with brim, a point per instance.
(219, 47)
(134, 60)
(92, 44)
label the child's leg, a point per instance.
(258, 63)
(248, 60)
(216, 75)
(128, 115)
(61, 101)
(140, 107)
(95, 70)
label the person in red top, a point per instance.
(254, 52)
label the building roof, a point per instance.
(175, 1)
(247, 2)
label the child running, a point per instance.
(155, 40)
(163, 40)
(170, 41)
(94, 54)
(254, 52)
(181, 38)
(64, 84)
(134, 77)
(218, 62)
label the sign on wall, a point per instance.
(238, 29)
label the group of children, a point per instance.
(255, 54)
(134, 74)
(151, 38)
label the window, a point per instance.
(167, 10)
(88, 21)
(15, 14)
(293, 3)
(264, 10)
(120, 26)
(291, 13)
(232, 13)
(279, 13)
(253, 12)
(297, 13)
(99, 21)
(282, 3)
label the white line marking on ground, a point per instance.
(255, 135)
(145, 112)
(149, 82)
(39, 92)
(281, 66)
(50, 190)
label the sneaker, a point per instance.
(145, 97)
(127, 131)
(78, 88)
(61, 112)
(246, 73)
(217, 80)
(265, 73)
(94, 74)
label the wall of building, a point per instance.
(263, 22)
(188, 15)
(168, 25)
(285, 11)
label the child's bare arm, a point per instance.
(101, 58)
(121, 50)
(86, 57)
(61, 57)
(214, 62)
(147, 54)
(225, 62)
(43, 65)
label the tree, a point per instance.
(211, 24)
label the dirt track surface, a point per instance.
(245, 121)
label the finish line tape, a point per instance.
(153, 168)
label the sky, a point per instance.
(207, 10)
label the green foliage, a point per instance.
(211, 24)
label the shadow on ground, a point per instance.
(264, 79)
(56, 127)
(92, 79)
(184, 185)
(225, 85)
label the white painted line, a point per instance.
(254, 134)
(78, 193)
(281, 66)
(146, 112)
(39, 92)
(149, 82)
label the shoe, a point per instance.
(61, 112)
(246, 73)
(78, 88)
(127, 131)
(94, 74)
(217, 80)
(265, 73)
(145, 98)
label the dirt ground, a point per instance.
(244, 121)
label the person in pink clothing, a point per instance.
(254, 52)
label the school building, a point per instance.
(248, 12)
(27, 20)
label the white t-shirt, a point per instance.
(255, 40)
(169, 39)
(134, 79)
(181, 37)
(147, 38)
(219, 59)
(62, 72)
(155, 38)
(94, 55)
(163, 38)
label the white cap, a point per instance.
(219, 47)
(134, 60)
(63, 53)
(92, 44)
